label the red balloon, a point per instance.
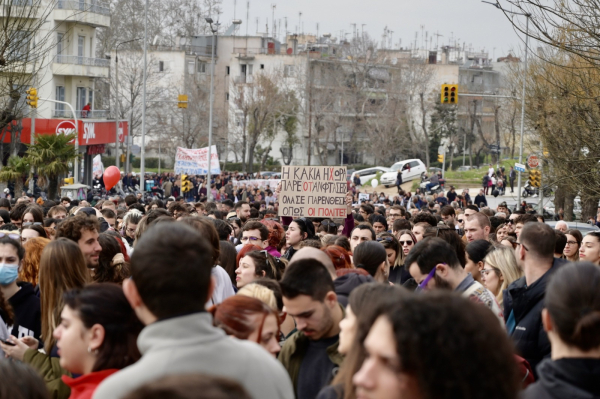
(111, 176)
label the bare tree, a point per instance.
(25, 47)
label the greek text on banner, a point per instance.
(195, 161)
(313, 191)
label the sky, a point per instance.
(466, 21)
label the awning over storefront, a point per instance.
(91, 132)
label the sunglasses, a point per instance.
(409, 242)
(12, 236)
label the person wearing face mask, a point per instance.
(20, 295)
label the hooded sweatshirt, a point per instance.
(573, 378)
(28, 314)
(346, 283)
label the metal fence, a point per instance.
(95, 114)
(77, 60)
(82, 5)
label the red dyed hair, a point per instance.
(276, 232)
(244, 251)
(339, 256)
(235, 316)
(343, 272)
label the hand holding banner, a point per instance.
(313, 191)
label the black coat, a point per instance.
(27, 310)
(566, 378)
(529, 337)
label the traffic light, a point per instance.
(32, 97)
(449, 94)
(186, 185)
(122, 157)
(535, 178)
(182, 101)
(440, 158)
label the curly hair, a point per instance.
(30, 267)
(276, 232)
(73, 227)
(111, 268)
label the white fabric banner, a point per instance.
(195, 161)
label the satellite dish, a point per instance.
(394, 61)
(289, 51)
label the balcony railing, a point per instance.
(84, 5)
(242, 79)
(81, 114)
(77, 60)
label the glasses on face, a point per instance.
(395, 215)
(510, 221)
(424, 283)
(484, 272)
(252, 239)
(31, 224)
(12, 236)
(518, 243)
(571, 242)
(407, 243)
(130, 231)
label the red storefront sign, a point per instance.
(90, 132)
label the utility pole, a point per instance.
(143, 146)
(212, 100)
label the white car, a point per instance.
(369, 173)
(411, 169)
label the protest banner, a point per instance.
(313, 191)
(97, 166)
(259, 183)
(195, 161)
(363, 197)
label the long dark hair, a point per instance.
(366, 302)
(112, 268)
(369, 255)
(573, 302)
(265, 262)
(105, 304)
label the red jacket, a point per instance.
(83, 387)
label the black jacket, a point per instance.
(479, 199)
(28, 314)
(529, 337)
(566, 378)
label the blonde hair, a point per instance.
(62, 268)
(502, 259)
(261, 293)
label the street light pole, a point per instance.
(523, 106)
(527, 16)
(143, 149)
(117, 100)
(212, 100)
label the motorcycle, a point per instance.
(530, 190)
(434, 189)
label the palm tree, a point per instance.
(51, 155)
(16, 169)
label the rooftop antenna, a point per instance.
(299, 21)
(392, 39)
(273, 18)
(257, 18)
(317, 33)
(247, 20)
(422, 28)
(426, 40)
(286, 30)
(437, 40)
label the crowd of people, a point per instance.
(433, 298)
